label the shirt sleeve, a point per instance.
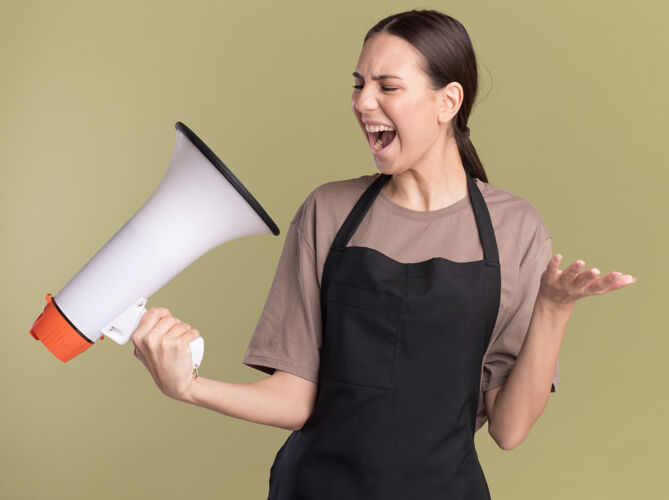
(288, 334)
(502, 354)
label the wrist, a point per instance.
(189, 395)
(555, 307)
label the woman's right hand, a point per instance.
(162, 344)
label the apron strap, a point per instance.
(483, 222)
(358, 212)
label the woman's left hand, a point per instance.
(565, 287)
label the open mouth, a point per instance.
(379, 141)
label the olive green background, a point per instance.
(570, 116)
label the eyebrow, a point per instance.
(377, 77)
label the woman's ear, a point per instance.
(449, 100)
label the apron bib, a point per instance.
(399, 376)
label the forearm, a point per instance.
(264, 401)
(524, 395)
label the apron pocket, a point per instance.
(360, 336)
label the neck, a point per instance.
(431, 185)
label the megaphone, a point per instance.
(198, 205)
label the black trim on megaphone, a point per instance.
(53, 301)
(216, 161)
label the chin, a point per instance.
(385, 169)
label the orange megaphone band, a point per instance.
(56, 332)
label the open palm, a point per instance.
(569, 285)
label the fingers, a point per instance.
(158, 330)
(570, 272)
(177, 329)
(552, 269)
(571, 283)
(182, 331)
(190, 335)
(610, 282)
(148, 321)
(155, 322)
(138, 355)
(587, 279)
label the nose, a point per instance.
(363, 101)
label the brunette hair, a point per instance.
(448, 56)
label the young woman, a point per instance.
(408, 306)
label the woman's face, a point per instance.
(402, 99)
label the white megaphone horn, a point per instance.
(198, 205)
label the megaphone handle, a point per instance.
(197, 352)
(120, 330)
